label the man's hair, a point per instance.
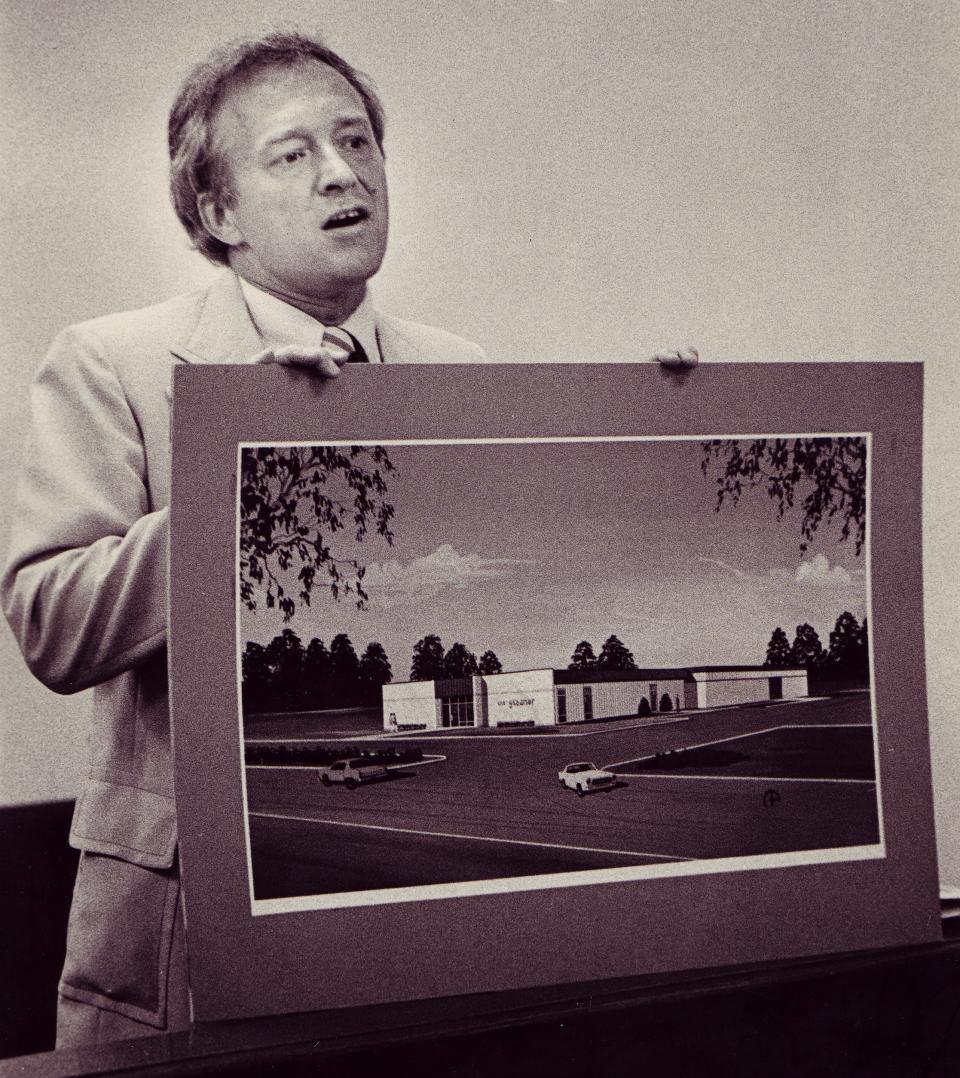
(195, 164)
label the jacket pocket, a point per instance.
(120, 936)
(127, 822)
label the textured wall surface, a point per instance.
(569, 180)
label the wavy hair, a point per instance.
(195, 165)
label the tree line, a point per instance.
(285, 675)
(614, 655)
(846, 658)
(431, 662)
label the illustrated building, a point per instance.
(554, 697)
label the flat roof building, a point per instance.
(554, 697)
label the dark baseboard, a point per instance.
(37, 881)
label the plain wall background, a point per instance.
(569, 180)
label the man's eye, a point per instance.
(291, 157)
(356, 142)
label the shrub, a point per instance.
(643, 708)
(666, 704)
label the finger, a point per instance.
(299, 356)
(678, 360)
(314, 360)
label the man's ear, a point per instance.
(218, 219)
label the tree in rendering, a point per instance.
(294, 504)
(427, 664)
(614, 655)
(849, 651)
(317, 672)
(778, 650)
(806, 649)
(344, 672)
(490, 664)
(374, 672)
(255, 672)
(460, 661)
(826, 476)
(583, 657)
(284, 658)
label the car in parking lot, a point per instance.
(586, 778)
(352, 773)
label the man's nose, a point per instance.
(334, 173)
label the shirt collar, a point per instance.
(280, 323)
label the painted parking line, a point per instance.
(313, 767)
(470, 737)
(565, 733)
(470, 838)
(751, 733)
(777, 779)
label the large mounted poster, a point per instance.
(487, 677)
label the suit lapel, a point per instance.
(395, 345)
(224, 331)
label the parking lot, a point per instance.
(746, 781)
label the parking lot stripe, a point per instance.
(438, 759)
(737, 778)
(471, 838)
(755, 733)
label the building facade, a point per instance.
(546, 697)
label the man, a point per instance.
(277, 170)
(277, 173)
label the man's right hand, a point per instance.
(322, 362)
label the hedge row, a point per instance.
(321, 755)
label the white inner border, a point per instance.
(583, 878)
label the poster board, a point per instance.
(566, 910)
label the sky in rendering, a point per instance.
(527, 549)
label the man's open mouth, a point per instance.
(346, 218)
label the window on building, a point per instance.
(653, 695)
(456, 711)
(561, 705)
(588, 703)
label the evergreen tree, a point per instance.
(490, 664)
(344, 672)
(256, 677)
(806, 650)
(583, 657)
(460, 661)
(778, 650)
(375, 672)
(284, 657)
(427, 664)
(849, 654)
(614, 655)
(317, 670)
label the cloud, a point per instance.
(725, 567)
(424, 578)
(818, 571)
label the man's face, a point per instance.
(307, 213)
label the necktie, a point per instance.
(338, 339)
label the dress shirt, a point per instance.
(281, 324)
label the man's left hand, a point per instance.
(323, 362)
(680, 360)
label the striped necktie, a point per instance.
(338, 339)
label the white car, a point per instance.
(351, 773)
(585, 778)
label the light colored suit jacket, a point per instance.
(85, 585)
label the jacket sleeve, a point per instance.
(85, 584)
